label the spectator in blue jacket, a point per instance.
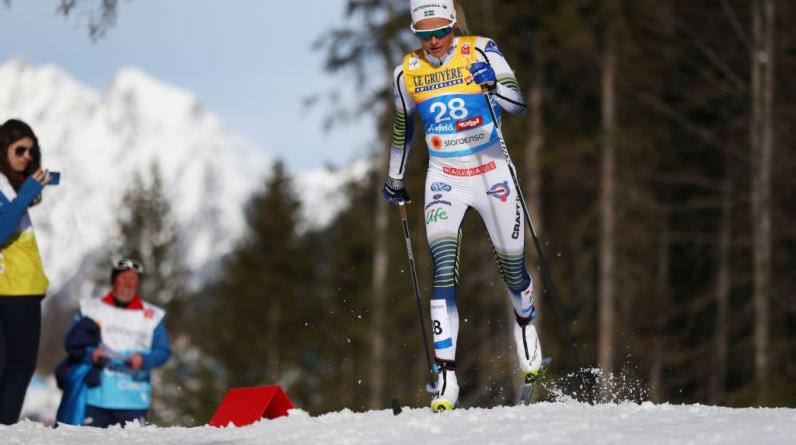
(132, 341)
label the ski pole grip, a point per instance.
(486, 86)
(402, 209)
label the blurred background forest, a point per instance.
(657, 159)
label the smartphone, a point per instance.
(55, 178)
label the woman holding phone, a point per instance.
(22, 279)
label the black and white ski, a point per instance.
(531, 380)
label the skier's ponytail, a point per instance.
(461, 19)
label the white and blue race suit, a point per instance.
(466, 169)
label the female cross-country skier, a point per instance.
(466, 169)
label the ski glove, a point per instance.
(394, 191)
(483, 74)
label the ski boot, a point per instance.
(529, 352)
(529, 355)
(447, 388)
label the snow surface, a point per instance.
(541, 423)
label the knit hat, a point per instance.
(427, 9)
(124, 265)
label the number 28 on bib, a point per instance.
(455, 115)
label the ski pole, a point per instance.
(548, 282)
(433, 368)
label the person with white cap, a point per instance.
(467, 169)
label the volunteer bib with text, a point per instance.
(125, 332)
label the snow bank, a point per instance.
(542, 423)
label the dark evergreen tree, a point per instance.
(148, 232)
(256, 319)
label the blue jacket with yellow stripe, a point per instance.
(21, 271)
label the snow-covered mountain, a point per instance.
(97, 139)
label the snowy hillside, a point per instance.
(543, 423)
(98, 138)
(322, 194)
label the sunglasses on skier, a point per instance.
(128, 264)
(439, 33)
